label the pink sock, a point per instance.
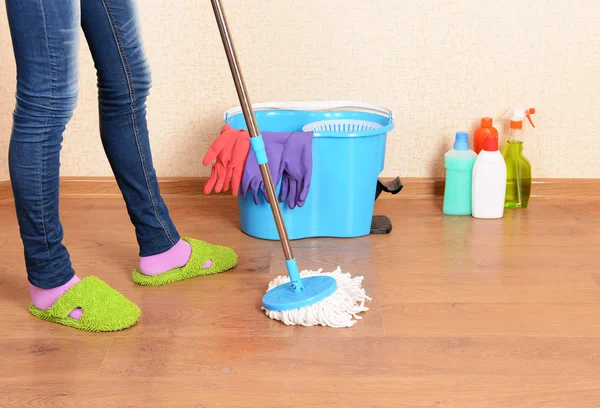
(175, 257)
(43, 299)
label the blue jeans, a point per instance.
(45, 35)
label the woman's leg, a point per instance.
(112, 32)
(45, 36)
(45, 40)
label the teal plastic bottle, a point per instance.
(459, 175)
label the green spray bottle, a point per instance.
(518, 168)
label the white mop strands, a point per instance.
(341, 309)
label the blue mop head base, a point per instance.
(285, 297)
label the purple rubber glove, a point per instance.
(297, 169)
(252, 179)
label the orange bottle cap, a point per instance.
(486, 122)
(516, 125)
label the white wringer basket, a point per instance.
(342, 126)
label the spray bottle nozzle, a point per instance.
(519, 114)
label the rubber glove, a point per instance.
(297, 169)
(252, 179)
(219, 152)
(235, 168)
(229, 152)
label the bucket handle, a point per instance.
(314, 106)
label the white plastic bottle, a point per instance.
(489, 181)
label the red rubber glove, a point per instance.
(235, 168)
(223, 143)
(229, 150)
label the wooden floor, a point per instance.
(465, 313)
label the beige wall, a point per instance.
(438, 65)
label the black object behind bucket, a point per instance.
(393, 187)
(381, 224)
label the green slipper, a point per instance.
(104, 309)
(222, 258)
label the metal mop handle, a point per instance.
(256, 138)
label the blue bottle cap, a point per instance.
(462, 141)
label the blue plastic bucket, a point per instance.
(346, 166)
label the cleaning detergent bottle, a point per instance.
(486, 129)
(459, 172)
(518, 184)
(489, 181)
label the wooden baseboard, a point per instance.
(106, 186)
(571, 189)
(5, 192)
(557, 188)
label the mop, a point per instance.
(307, 298)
